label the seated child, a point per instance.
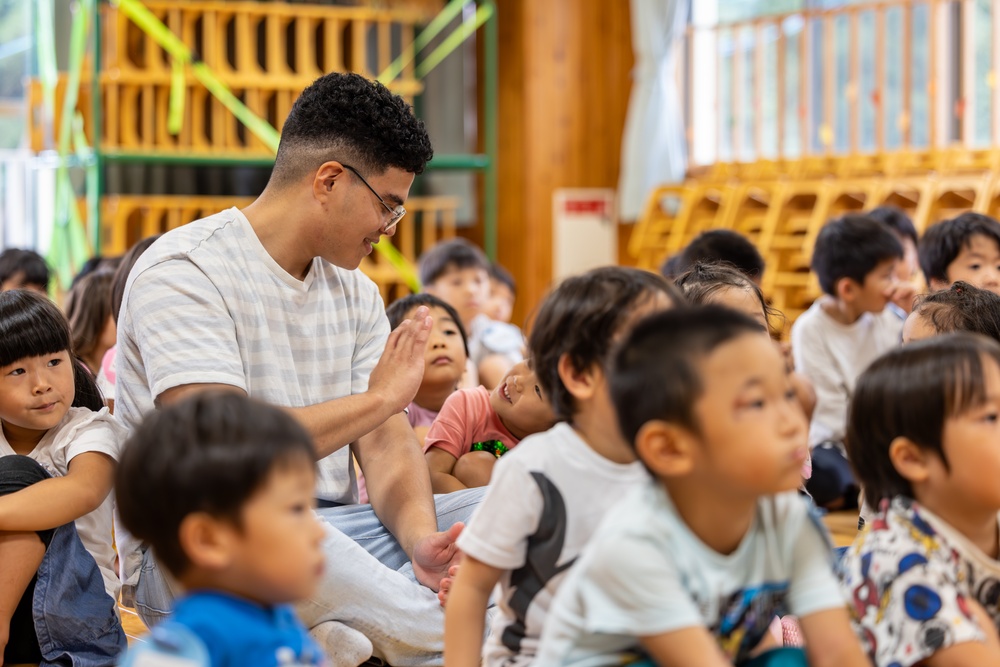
(923, 433)
(457, 272)
(908, 268)
(23, 269)
(963, 248)
(221, 486)
(58, 448)
(548, 494)
(722, 245)
(855, 260)
(503, 291)
(723, 285)
(88, 309)
(476, 427)
(961, 307)
(444, 360)
(693, 565)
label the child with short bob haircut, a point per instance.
(964, 248)
(547, 495)
(444, 359)
(221, 486)
(855, 260)
(961, 307)
(58, 451)
(695, 562)
(924, 439)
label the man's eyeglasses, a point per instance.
(396, 214)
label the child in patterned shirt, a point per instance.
(924, 437)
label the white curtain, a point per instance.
(653, 147)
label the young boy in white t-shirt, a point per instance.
(694, 564)
(547, 495)
(846, 329)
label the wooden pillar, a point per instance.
(564, 90)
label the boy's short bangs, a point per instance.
(454, 254)
(208, 453)
(30, 326)
(910, 393)
(581, 319)
(656, 373)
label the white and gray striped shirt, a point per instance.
(206, 303)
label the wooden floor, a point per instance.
(843, 527)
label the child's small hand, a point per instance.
(445, 586)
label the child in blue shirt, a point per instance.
(230, 515)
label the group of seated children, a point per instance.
(644, 464)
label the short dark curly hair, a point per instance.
(208, 453)
(346, 117)
(582, 318)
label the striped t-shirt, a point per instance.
(206, 303)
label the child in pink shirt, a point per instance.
(475, 427)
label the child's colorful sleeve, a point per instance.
(812, 585)
(905, 602)
(498, 531)
(451, 430)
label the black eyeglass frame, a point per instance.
(396, 213)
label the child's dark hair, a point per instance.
(656, 370)
(456, 253)
(26, 262)
(502, 276)
(705, 279)
(32, 326)
(124, 268)
(88, 307)
(962, 307)
(723, 245)
(672, 267)
(399, 309)
(581, 318)
(851, 247)
(943, 242)
(909, 393)
(896, 220)
(208, 453)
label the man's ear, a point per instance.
(667, 450)
(581, 384)
(325, 178)
(208, 542)
(912, 462)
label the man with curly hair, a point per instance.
(267, 300)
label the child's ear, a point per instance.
(912, 462)
(667, 449)
(207, 541)
(581, 384)
(846, 289)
